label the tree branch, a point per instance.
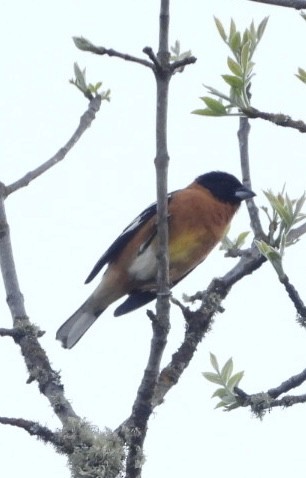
(278, 119)
(34, 429)
(85, 45)
(85, 122)
(297, 4)
(198, 324)
(243, 137)
(295, 298)
(142, 407)
(26, 334)
(260, 402)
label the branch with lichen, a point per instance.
(198, 323)
(263, 401)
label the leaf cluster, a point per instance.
(228, 244)
(88, 89)
(284, 215)
(240, 64)
(227, 380)
(176, 54)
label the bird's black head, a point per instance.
(225, 187)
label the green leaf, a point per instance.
(235, 42)
(235, 380)
(253, 32)
(220, 393)
(212, 377)
(233, 28)
(234, 67)
(220, 29)
(204, 112)
(82, 43)
(227, 370)
(233, 81)
(216, 106)
(80, 76)
(241, 238)
(261, 28)
(245, 55)
(214, 362)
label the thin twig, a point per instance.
(180, 64)
(278, 119)
(243, 136)
(85, 122)
(297, 4)
(85, 45)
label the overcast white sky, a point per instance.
(65, 220)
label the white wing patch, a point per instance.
(144, 267)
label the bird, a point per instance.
(198, 218)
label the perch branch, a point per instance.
(142, 407)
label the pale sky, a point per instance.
(63, 222)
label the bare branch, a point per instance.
(34, 429)
(149, 51)
(278, 119)
(178, 66)
(85, 45)
(35, 357)
(297, 4)
(260, 402)
(292, 382)
(8, 333)
(297, 301)
(243, 136)
(85, 122)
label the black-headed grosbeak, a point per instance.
(199, 216)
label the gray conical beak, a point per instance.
(244, 193)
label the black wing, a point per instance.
(122, 240)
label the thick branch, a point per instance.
(85, 122)
(278, 119)
(198, 324)
(26, 334)
(297, 4)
